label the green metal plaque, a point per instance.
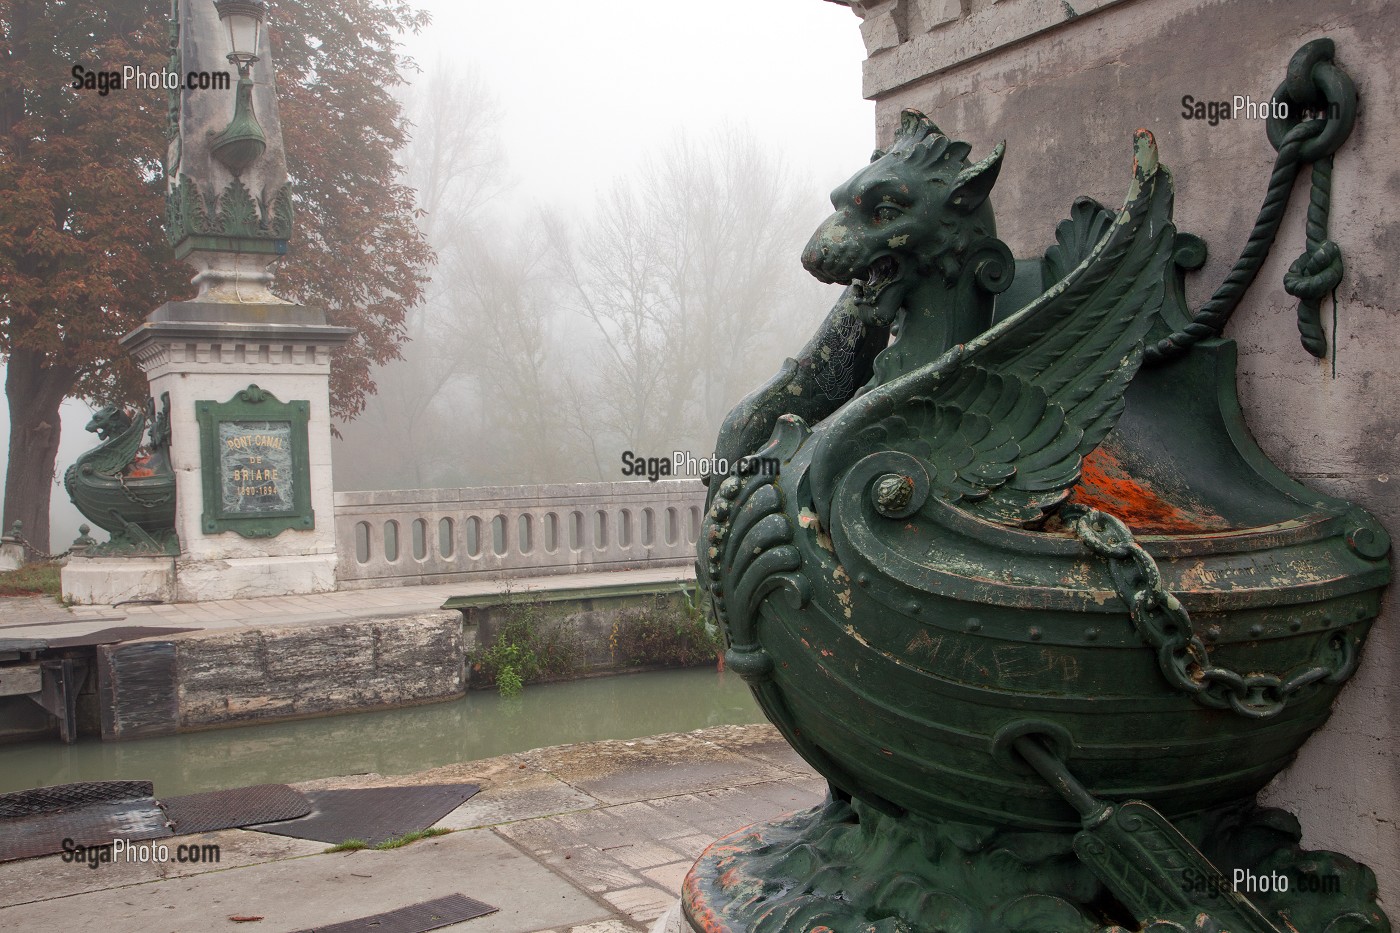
(257, 476)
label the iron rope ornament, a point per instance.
(1314, 83)
(1163, 622)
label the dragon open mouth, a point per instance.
(880, 275)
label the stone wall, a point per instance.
(594, 632)
(1065, 83)
(209, 679)
(222, 678)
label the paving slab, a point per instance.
(561, 844)
(294, 894)
(39, 879)
(533, 795)
(764, 745)
(624, 771)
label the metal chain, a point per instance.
(42, 555)
(144, 503)
(1164, 623)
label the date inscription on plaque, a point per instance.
(255, 465)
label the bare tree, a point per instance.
(504, 297)
(456, 164)
(683, 282)
(617, 274)
(685, 273)
(455, 161)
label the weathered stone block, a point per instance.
(880, 25)
(111, 580)
(934, 13)
(272, 673)
(252, 577)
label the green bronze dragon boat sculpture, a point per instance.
(1024, 590)
(125, 485)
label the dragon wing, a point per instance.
(1003, 422)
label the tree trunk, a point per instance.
(35, 392)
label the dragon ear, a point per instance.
(958, 151)
(974, 183)
(914, 126)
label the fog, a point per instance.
(618, 217)
(621, 192)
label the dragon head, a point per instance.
(108, 421)
(911, 213)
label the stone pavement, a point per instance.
(44, 617)
(591, 838)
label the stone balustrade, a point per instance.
(424, 536)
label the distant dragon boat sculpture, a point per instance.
(1044, 616)
(125, 485)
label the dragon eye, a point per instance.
(886, 213)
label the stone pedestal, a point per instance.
(111, 580)
(209, 352)
(11, 554)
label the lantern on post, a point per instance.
(242, 142)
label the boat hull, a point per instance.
(902, 657)
(926, 726)
(112, 502)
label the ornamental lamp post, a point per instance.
(242, 142)
(245, 371)
(243, 21)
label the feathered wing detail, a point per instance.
(1003, 422)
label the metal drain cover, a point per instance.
(229, 809)
(416, 918)
(39, 821)
(373, 814)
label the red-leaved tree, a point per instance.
(83, 256)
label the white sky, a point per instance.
(587, 88)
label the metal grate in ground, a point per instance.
(45, 820)
(374, 814)
(416, 918)
(229, 809)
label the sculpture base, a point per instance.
(107, 581)
(253, 577)
(846, 867)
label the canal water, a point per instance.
(400, 741)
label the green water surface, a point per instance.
(400, 741)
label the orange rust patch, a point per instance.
(1105, 484)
